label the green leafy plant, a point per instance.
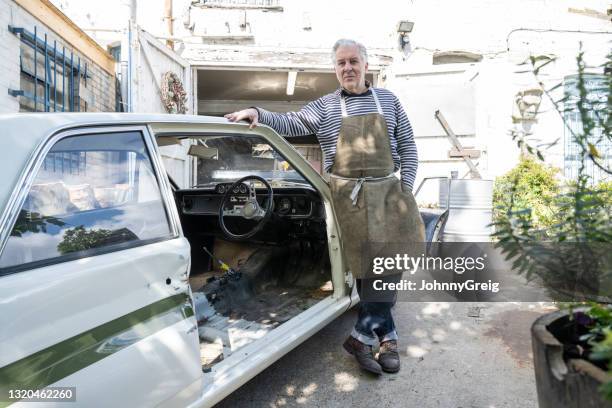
(602, 350)
(561, 235)
(531, 184)
(569, 251)
(595, 322)
(29, 221)
(81, 239)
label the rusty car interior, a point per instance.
(253, 267)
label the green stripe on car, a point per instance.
(60, 360)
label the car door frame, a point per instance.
(342, 280)
(247, 362)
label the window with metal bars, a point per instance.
(65, 163)
(51, 76)
(596, 86)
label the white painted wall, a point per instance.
(477, 99)
(480, 101)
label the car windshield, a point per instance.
(229, 158)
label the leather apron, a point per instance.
(371, 206)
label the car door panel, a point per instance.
(119, 379)
(117, 322)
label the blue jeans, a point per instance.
(375, 322)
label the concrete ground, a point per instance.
(456, 355)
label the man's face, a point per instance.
(350, 68)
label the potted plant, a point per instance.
(572, 352)
(568, 249)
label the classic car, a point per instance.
(135, 289)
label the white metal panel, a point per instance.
(45, 306)
(176, 162)
(93, 291)
(470, 205)
(154, 59)
(422, 94)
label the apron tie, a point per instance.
(359, 183)
(355, 192)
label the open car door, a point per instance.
(264, 301)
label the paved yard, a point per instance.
(453, 355)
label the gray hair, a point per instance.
(343, 42)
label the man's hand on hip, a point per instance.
(250, 115)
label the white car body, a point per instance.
(119, 325)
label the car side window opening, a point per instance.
(228, 158)
(92, 193)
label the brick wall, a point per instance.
(97, 93)
(9, 58)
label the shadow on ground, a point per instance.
(453, 355)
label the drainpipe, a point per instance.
(169, 23)
(132, 35)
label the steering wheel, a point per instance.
(251, 210)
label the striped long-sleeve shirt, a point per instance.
(323, 118)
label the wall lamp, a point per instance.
(404, 28)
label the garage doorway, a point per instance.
(219, 91)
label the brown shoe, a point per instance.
(388, 356)
(363, 354)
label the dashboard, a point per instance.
(288, 202)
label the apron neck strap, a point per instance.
(378, 107)
(343, 104)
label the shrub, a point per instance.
(530, 185)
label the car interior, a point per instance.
(258, 241)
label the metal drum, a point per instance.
(470, 204)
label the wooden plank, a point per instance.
(590, 13)
(152, 41)
(469, 153)
(457, 144)
(67, 30)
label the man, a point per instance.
(365, 136)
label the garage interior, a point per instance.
(220, 91)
